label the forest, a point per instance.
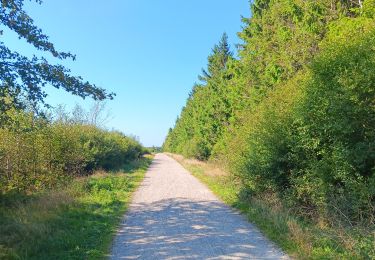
(293, 115)
(288, 116)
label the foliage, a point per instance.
(294, 115)
(154, 149)
(312, 138)
(300, 239)
(74, 222)
(23, 78)
(206, 112)
(37, 154)
(335, 143)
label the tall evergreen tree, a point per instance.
(202, 120)
(295, 114)
(217, 60)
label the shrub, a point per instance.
(313, 138)
(36, 153)
(336, 132)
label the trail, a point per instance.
(174, 216)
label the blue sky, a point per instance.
(149, 52)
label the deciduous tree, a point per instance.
(25, 79)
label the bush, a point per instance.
(336, 131)
(260, 147)
(313, 138)
(37, 154)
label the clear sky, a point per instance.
(149, 52)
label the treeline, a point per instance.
(295, 113)
(39, 152)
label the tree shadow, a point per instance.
(185, 229)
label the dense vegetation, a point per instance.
(301, 239)
(56, 202)
(74, 222)
(294, 115)
(39, 149)
(38, 153)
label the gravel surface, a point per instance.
(174, 216)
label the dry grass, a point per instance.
(301, 237)
(324, 238)
(76, 222)
(210, 169)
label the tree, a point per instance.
(25, 79)
(206, 113)
(217, 61)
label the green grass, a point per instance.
(75, 222)
(301, 239)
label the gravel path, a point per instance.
(174, 216)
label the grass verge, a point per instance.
(75, 222)
(301, 239)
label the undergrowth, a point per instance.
(300, 237)
(75, 222)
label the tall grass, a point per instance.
(74, 222)
(300, 237)
(57, 197)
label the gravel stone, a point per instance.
(174, 216)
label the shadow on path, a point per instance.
(184, 229)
